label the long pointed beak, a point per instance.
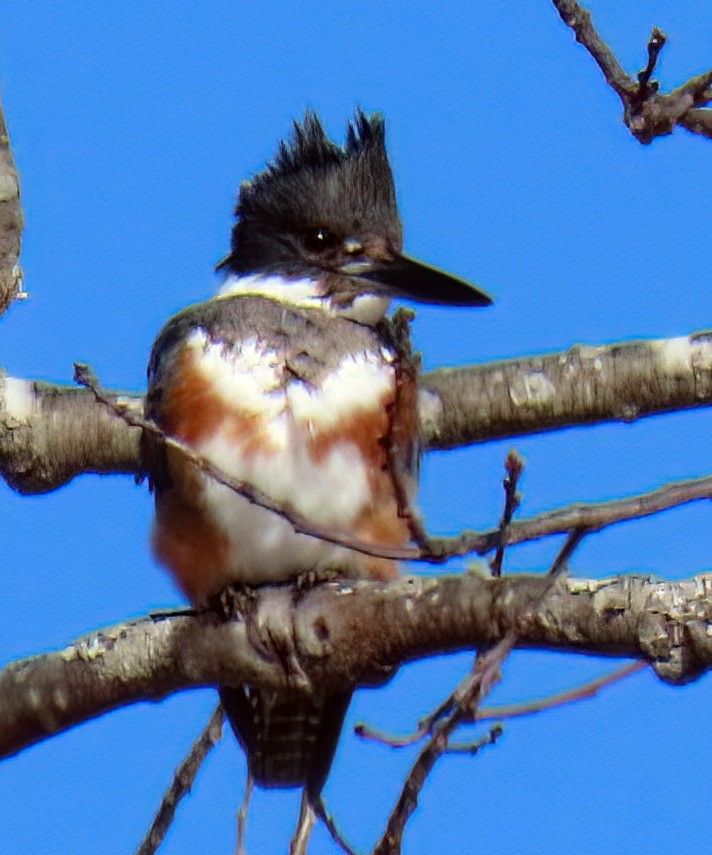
(416, 280)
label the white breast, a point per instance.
(331, 487)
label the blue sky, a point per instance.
(133, 126)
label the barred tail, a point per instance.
(289, 737)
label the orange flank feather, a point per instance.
(379, 521)
(185, 539)
(193, 411)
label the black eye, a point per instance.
(319, 239)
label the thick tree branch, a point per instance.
(669, 623)
(49, 433)
(586, 384)
(647, 112)
(11, 222)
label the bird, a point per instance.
(288, 380)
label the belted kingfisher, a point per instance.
(287, 380)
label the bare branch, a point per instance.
(462, 705)
(579, 693)
(668, 623)
(561, 562)
(655, 44)
(588, 690)
(514, 466)
(591, 517)
(331, 827)
(583, 385)
(392, 841)
(300, 838)
(697, 121)
(647, 112)
(254, 495)
(598, 515)
(182, 782)
(577, 520)
(579, 20)
(11, 223)
(50, 433)
(471, 691)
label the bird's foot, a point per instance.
(307, 580)
(234, 601)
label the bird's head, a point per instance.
(330, 212)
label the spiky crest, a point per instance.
(313, 182)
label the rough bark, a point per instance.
(49, 434)
(583, 385)
(668, 623)
(11, 222)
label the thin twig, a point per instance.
(462, 705)
(474, 747)
(592, 517)
(182, 783)
(84, 376)
(655, 44)
(242, 813)
(561, 562)
(401, 448)
(560, 699)
(514, 466)
(578, 693)
(467, 697)
(382, 737)
(307, 816)
(328, 820)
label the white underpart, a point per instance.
(300, 292)
(365, 309)
(331, 491)
(356, 384)
(244, 374)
